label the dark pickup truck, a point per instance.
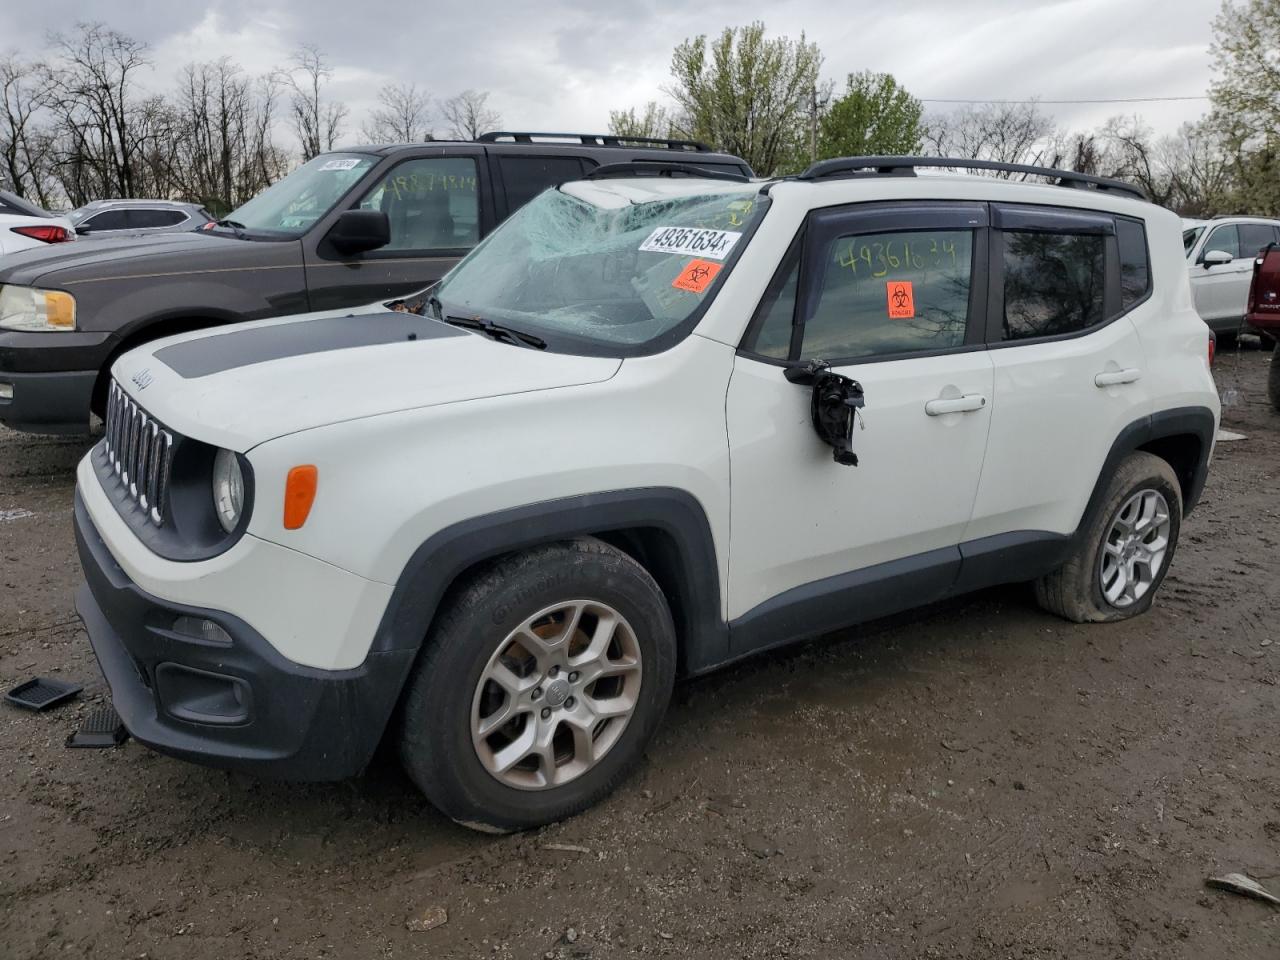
(344, 229)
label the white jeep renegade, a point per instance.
(652, 424)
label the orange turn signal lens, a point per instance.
(299, 494)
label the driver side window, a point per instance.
(431, 203)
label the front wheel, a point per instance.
(1123, 555)
(540, 686)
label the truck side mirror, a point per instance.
(1215, 258)
(356, 231)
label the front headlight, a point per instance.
(33, 309)
(228, 489)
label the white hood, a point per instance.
(241, 385)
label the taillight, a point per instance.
(1213, 347)
(46, 234)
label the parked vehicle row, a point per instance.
(1220, 256)
(345, 229)
(662, 418)
(25, 226)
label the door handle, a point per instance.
(1112, 378)
(966, 404)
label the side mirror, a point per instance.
(1216, 258)
(359, 230)
(82, 231)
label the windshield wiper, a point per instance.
(497, 331)
(235, 225)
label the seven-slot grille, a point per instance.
(140, 451)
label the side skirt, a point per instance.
(847, 599)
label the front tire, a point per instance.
(1124, 554)
(540, 686)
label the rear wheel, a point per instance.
(540, 686)
(1124, 554)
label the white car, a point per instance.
(24, 226)
(1220, 255)
(651, 425)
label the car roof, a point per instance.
(603, 152)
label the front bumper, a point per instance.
(239, 706)
(50, 377)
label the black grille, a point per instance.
(140, 452)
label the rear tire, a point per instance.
(1124, 553)
(539, 687)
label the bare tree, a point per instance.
(103, 128)
(403, 116)
(317, 122)
(23, 158)
(1004, 132)
(468, 114)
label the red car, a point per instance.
(1263, 315)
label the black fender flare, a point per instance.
(1179, 421)
(691, 569)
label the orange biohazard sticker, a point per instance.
(696, 276)
(902, 300)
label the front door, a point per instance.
(434, 205)
(893, 296)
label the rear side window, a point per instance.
(155, 218)
(1255, 236)
(526, 177)
(1135, 265)
(891, 293)
(1054, 283)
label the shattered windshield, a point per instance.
(601, 271)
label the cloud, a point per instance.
(564, 64)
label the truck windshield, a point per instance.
(289, 207)
(612, 267)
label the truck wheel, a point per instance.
(539, 686)
(1273, 380)
(1123, 555)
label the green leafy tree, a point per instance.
(654, 122)
(874, 117)
(1246, 100)
(746, 94)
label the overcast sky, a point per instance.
(563, 64)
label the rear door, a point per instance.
(518, 178)
(1068, 363)
(892, 295)
(438, 205)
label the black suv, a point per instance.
(344, 229)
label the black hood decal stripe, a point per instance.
(239, 348)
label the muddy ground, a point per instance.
(978, 780)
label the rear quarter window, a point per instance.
(1135, 262)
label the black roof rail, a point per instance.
(594, 140)
(663, 168)
(906, 167)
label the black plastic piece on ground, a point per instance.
(42, 693)
(101, 727)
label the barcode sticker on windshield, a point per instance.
(340, 164)
(715, 244)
